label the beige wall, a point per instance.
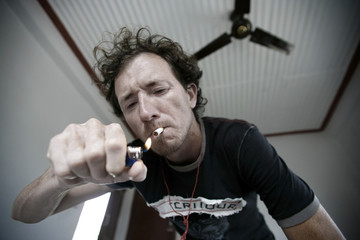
(330, 161)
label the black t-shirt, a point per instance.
(237, 164)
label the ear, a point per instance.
(191, 91)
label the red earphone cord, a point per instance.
(185, 218)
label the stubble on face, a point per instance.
(166, 147)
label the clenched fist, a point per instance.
(92, 152)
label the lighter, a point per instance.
(134, 153)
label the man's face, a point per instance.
(150, 97)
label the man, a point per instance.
(201, 173)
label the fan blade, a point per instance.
(266, 39)
(218, 43)
(241, 7)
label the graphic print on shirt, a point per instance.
(213, 227)
(200, 205)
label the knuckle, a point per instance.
(94, 155)
(76, 160)
(113, 145)
(72, 127)
(93, 121)
(114, 125)
(62, 172)
(70, 131)
(56, 140)
(56, 143)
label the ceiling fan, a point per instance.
(240, 29)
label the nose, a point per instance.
(147, 109)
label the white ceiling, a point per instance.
(278, 92)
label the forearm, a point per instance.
(39, 199)
(82, 158)
(319, 227)
(81, 194)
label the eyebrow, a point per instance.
(152, 83)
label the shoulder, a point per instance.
(226, 126)
(213, 121)
(229, 132)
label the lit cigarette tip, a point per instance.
(158, 131)
(148, 144)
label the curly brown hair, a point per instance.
(112, 55)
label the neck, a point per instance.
(191, 148)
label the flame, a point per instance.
(147, 144)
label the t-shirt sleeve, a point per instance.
(288, 198)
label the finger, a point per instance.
(75, 152)
(94, 148)
(115, 147)
(57, 157)
(136, 173)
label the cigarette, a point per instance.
(158, 131)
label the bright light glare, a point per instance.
(91, 218)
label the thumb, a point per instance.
(138, 171)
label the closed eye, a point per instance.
(160, 91)
(130, 105)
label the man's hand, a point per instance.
(92, 152)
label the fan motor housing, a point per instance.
(241, 28)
